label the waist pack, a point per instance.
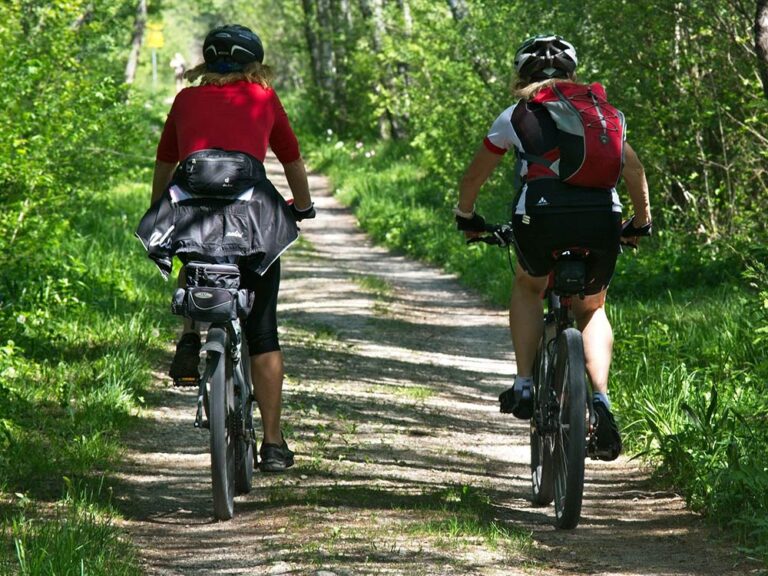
(212, 294)
(590, 139)
(216, 172)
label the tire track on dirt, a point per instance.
(404, 465)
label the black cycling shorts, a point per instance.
(544, 234)
(261, 325)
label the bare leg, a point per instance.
(525, 313)
(597, 334)
(267, 377)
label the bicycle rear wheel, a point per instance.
(570, 440)
(221, 399)
(542, 443)
(244, 462)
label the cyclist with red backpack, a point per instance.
(571, 150)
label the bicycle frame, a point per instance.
(227, 341)
(224, 394)
(558, 316)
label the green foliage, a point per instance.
(77, 539)
(78, 323)
(690, 379)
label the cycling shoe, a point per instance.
(184, 367)
(275, 457)
(607, 444)
(517, 401)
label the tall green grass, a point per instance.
(76, 539)
(83, 319)
(690, 366)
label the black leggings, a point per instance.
(261, 325)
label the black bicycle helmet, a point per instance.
(228, 48)
(545, 56)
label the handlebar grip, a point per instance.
(628, 229)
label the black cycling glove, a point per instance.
(474, 224)
(303, 214)
(628, 229)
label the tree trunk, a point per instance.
(313, 42)
(761, 42)
(139, 25)
(342, 26)
(460, 14)
(318, 28)
(325, 33)
(389, 124)
(458, 9)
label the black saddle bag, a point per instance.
(212, 294)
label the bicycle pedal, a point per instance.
(186, 382)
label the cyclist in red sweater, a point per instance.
(234, 108)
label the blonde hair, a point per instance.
(526, 89)
(252, 72)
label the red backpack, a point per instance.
(590, 136)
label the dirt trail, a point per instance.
(404, 464)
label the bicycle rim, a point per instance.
(542, 482)
(570, 440)
(244, 462)
(221, 406)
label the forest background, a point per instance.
(390, 98)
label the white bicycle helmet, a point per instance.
(545, 56)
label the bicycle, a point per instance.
(563, 423)
(563, 426)
(225, 397)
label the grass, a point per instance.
(79, 343)
(77, 538)
(418, 393)
(375, 285)
(451, 517)
(466, 515)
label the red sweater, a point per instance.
(241, 116)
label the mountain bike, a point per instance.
(225, 397)
(563, 424)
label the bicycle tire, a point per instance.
(244, 462)
(542, 445)
(570, 440)
(221, 399)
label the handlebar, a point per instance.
(630, 233)
(500, 235)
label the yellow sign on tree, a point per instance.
(155, 36)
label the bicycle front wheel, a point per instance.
(570, 440)
(221, 399)
(542, 441)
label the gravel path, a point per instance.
(404, 464)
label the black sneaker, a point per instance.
(184, 367)
(517, 402)
(275, 457)
(607, 437)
